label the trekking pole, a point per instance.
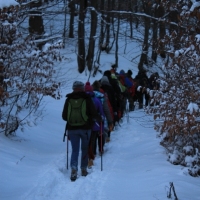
(67, 150)
(127, 110)
(65, 135)
(101, 132)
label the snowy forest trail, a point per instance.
(135, 166)
(128, 152)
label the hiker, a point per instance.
(131, 90)
(80, 113)
(97, 129)
(153, 81)
(154, 85)
(116, 93)
(114, 81)
(123, 96)
(107, 108)
(143, 84)
(128, 84)
(108, 89)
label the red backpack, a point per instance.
(122, 79)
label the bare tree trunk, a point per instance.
(90, 55)
(174, 17)
(144, 55)
(136, 10)
(162, 31)
(71, 22)
(117, 34)
(155, 35)
(130, 8)
(108, 20)
(65, 22)
(36, 26)
(102, 34)
(81, 38)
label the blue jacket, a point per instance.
(127, 82)
(99, 108)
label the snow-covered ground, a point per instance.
(134, 166)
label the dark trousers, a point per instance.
(96, 137)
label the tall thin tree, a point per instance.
(145, 47)
(71, 6)
(81, 38)
(91, 49)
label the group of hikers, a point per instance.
(93, 110)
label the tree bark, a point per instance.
(144, 55)
(91, 49)
(108, 20)
(81, 39)
(101, 37)
(155, 35)
(117, 34)
(130, 8)
(162, 31)
(71, 22)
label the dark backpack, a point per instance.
(76, 113)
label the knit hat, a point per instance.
(96, 85)
(114, 66)
(122, 72)
(129, 72)
(78, 85)
(88, 87)
(107, 73)
(104, 79)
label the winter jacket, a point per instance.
(115, 84)
(106, 109)
(90, 111)
(126, 81)
(142, 79)
(99, 109)
(113, 80)
(108, 89)
(153, 82)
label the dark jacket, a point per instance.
(108, 89)
(142, 79)
(154, 82)
(90, 110)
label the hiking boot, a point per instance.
(108, 139)
(90, 163)
(84, 172)
(73, 175)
